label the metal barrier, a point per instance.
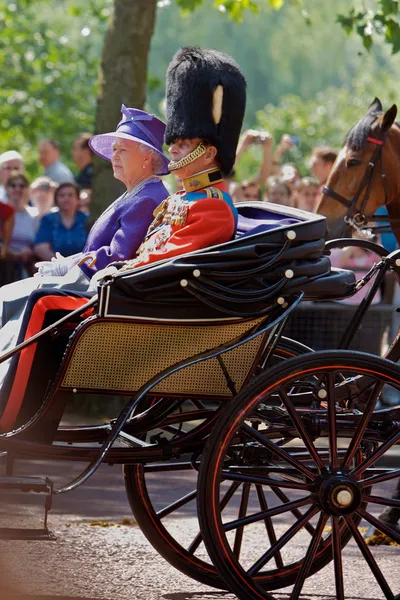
(321, 326)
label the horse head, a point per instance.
(365, 174)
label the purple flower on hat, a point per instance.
(138, 126)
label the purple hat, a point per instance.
(136, 125)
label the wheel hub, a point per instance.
(342, 498)
(339, 494)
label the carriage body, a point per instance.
(182, 341)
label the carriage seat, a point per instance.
(261, 217)
(250, 226)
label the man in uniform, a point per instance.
(206, 96)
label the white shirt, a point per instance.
(3, 194)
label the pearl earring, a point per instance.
(144, 166)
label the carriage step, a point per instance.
(26, 484)
(38, 485)
(39, 535)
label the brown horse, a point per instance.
(365, 176)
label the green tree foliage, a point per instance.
(279, 52)
(48, 71)
(370, 19)
(380, 19)
(50, 52)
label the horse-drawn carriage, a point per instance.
(271, 428)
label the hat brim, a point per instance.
(102, 144)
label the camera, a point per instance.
(260, 139)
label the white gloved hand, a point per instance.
(99, 275)
(57, 267)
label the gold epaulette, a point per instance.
(213, 192)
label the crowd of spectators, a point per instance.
(48, 215)
(278, 181)
(281, 182)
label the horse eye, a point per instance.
(353, 162)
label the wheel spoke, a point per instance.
(352, 449)
(176, 505)
(298, 423)
(278, 451)
(309, 557)
(227, 497)
(295, 512)
(365, 551)
(244, 502)
(379, 500)
(198, 404)
(172, 429)
(379, 525)
(283, 540)
(377, 454)
(381, 477)
(337, 557)
(333, 453)
(227, 475)
(271, 512)
(269, 525)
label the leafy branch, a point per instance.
(369, 24)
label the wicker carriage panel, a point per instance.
(123, 356)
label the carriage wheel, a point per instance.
(156, 498)
(302, 504)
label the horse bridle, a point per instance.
(356, 217)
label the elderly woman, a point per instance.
(135, 150)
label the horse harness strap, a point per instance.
(355, 217)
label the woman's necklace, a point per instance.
(139, 186)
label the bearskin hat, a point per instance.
(206, 98)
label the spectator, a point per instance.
(307, 194)
(20, 248)
(6, 227)
(63, 231)
(246, 191)
(322, 159)
(7, 267)
(49, 158)
(82, 156)
(42, 197)
(289, 174)
(285, 143)
(388, 239)
(278, 192)
(10, 161)
(230, 181)
(251, 189)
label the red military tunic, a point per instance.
(188, 221)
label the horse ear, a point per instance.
(375, 106)
(389, 118)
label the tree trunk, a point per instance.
(123, 77)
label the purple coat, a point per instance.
(119, 231)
